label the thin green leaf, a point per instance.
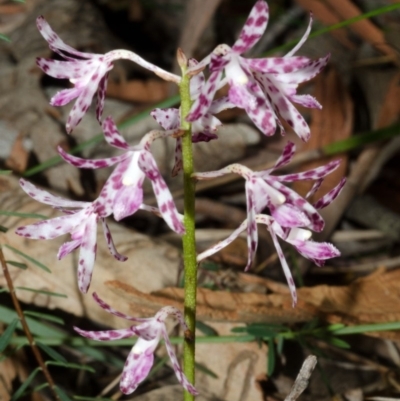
(44, 316)
(51, 352)
(5, 338)
(25, 385)
(206, 329)
(52, 294)
(173, 100)
(29, 258)
(271, 357)
(3, 229)
(205, 370)
(338, 342)
(63, 396)
(5, 38)
(5, 172)
(37, 328)
(40, 387)
(24, 215)
(4, 290)
(335, 327)
(279, 346)
(71, 366)
(22, 266)
(365, 328)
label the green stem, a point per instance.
(189, 244)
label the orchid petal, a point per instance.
(164, 198)
(127, 201)
(306, 101)
(253, 29)
(67, 248)
(252, 233)
(105, 335)
(101, 95)
(178, 164)
(112, 135)
(313, 174)
(277, 65)
(302, 40)
(110, 242)
(315, 250)
(330, 196)
(289, 216)
(87, 254)
(168, 118)
(47, 198)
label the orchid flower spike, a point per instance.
(287, 207)
(126, 182)
(264, 87)
(87, 72)
(149, 332)
(80, 221)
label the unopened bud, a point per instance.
(182, 59)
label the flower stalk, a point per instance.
(189, 244)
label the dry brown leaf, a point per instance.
(18, 158)
(12, 368)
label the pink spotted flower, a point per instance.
(318, 252)
(126, 182)
(141, 358)
(287, 208)
(80, 221)
(87, 72)
(204, 129)
(264, 87)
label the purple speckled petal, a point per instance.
(90, 164)
(277, 65)
(74, 69)
(167, 118)
(101, 95)
(87, 254)
(316, 250)
(114, 312)
(306, 101)
(222, 244)
(285, 267)
(45, 197)
(137, 366)
(175, 365)
(252, 233)
(64, 96)
(313, 174)
(110, 242)
(54, 40)
(127, 200)
(163, 195)
(52, 228)
(220, 104)
(197, 81)
(203, 102)
(106, 335)
(112, 135)
(314, 188)
(253, 29)
(330, 196)
(290, 216)
(67, 248)
(313, 68)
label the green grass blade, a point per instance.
(44, 316)
(29, 258)
(22, 266)
(71, 365)
(271, 362)
(5, 38)
(5, 338)
(171, 101)
(5, 172)
(49, 293)
(25, 215)
(24, 385)
(51, 352)
(63, 396)
(365, 328)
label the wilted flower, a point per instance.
(264, 87)
(80, 222)
(141, 358)
(126, 182)
(87, 72)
